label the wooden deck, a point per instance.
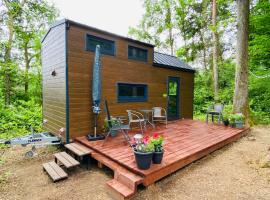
(185, 142)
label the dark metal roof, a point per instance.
(168, 61)
(96, 30)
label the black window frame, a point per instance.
(101, 40)
(123, 99)
(138, 49)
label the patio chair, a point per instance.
(116, 125)
(159, 115)
(137, 118)
(215, 110)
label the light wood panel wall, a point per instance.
(53, 56)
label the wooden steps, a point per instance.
(105, 161)
(78, 149)
(63, 158)
(54, 171)
(124, 185)
(66, 160)
(119, 190)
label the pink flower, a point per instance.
(146, 139)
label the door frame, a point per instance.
(178, 80)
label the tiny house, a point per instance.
(134, 76)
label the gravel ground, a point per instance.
(237, 171)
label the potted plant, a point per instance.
(237, 120)
(157, 141)
(144, 153)
(226, 121)
(114, 122)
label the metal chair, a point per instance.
(215, 110)
(137, 118)
(116, 125)
(159, 115)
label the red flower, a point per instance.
(155, 135)
(146, 139)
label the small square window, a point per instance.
(137, 53)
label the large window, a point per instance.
(137, 53)
(132, 92)
(106, 46)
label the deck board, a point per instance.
(185, 142)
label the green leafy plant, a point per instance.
(157, 141)
(113, 121)
(238, 117)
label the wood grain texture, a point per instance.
(116, 69)
(185, 142)
(54, 87)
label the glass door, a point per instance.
(173, 90)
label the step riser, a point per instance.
(114, 194)
(126, 181)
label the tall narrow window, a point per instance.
(137, 53)
(106, 46)
(132, 92)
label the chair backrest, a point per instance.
(108, 114)
(129, 115)
(157, 111)
(218, 107)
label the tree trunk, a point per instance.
(240, 99)
(7, 63)
(215, 49)
(26, 72)
(7, 81)
(204, 49)
(168, 24)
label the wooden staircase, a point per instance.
(54, 169)
(124, 185)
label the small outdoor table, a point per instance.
(146, 114)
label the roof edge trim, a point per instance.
(174, 68)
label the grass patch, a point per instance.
(4, 177)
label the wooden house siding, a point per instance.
(116, 69)
(54, 87)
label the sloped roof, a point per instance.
(68, 22)
(168, 61)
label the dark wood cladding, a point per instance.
(54, 87)
(116, 69)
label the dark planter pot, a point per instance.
(226, 122)
(143, 160)
(114, 133)
(239, 124)
(157, 157)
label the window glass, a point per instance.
(132, 92)
(106, 46)
(137, 53)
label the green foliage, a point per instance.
(157, 141)
(259, 37)
(238, 117)
(17, 118)
(145, 148)
(114, 122)
(4, 176)
(23, 24)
